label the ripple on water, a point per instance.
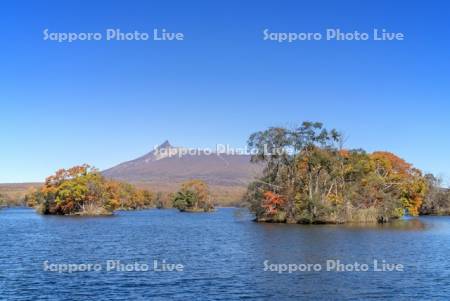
(223, 254)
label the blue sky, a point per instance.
(105, 102)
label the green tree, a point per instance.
(193, 196)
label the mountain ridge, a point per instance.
(171, 164)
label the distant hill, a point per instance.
(13, 193)
(165, 167)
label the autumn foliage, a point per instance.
(272, 202)
(82, 190)
(310, 178)
(193, 196)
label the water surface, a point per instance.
(223, 254)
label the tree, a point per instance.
(185, 199)
(401, 179)
(193, 196)
(82, 190)
(310, 177)
(437, 200)
(2, 200)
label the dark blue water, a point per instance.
(223, 255)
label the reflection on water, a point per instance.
(223, 254)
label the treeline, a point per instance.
(310, 178)
(7, 200)
(82, 190)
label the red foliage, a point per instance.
(272, 202)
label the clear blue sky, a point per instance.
(106, 102)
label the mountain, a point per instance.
(167, 165)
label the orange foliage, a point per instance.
(272, 202)
(66, 174)
(392, 163)
(408, 180)
(344, 153)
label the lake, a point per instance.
(220, 256)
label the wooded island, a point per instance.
(309, 177)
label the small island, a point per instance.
(309, 177)
(82, 190)
(193, 196)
